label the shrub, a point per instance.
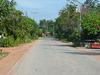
(35, 36)
(18, 41)
(64, 40)
(91, 26)
(9, 41)
(0, 42)
(75, 38)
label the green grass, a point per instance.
(3, 54)
(64, 40)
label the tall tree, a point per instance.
(91, 4)
(98, 8)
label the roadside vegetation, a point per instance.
(67, 25)
(3, 54)
(76, 27)
(47, 26)
(15, 28)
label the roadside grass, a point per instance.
(64, 40)
(3, 54)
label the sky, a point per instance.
(47, 9)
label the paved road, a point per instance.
(49, 57)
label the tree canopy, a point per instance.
(67, 25)
(15, 26)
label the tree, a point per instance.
(67, 22)
(98, 8)
(6, 7)
(91, 26)
(91, 5)
(47, 25)
(16, 27)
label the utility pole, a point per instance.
(80, 18)
(34, 14)
(80, 15)
(26, 13)
(80, 28)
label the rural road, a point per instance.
(49, 57)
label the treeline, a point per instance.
(77, 27)
(14, 27)
(47, 26)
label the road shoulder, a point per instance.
(16, 53)
(94, 53)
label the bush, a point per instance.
(42, 35)
(90, 25)
(35, 36)
(0, 42)
(64, 40)
(75, 38)
(8, 42)
(18, 41)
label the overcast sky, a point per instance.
(47, 9)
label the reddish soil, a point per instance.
(15, 54)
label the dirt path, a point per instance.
(15, 54)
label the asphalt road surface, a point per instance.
(49, 57)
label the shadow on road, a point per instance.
(57, 45)
(80, 53)
(64, 45)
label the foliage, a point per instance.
(91, 4)
(17, 28)
(6, 6)
(76, 38)
(90, 25)
(3, 54)
(7, 42)
(98, 8)
(64, 40)
(47, 25)
(67, 24)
